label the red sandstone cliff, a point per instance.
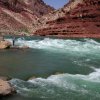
(78, 18)
(18, 15)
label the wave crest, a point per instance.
(63, 86)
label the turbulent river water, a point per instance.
(78, 61)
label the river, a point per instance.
(77, 61)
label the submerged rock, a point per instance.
(31, 78)
(58, 73)
(24, 47)
(5, 88)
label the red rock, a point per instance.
(17, 16)
(5, 44)
(78, 18)
(5, 88)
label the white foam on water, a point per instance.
(59, 85)
(95, 76)
(62, 85)
(60, 44)
(61, 78)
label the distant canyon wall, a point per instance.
(78, 18)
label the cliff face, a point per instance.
(78, 18)
(19, 15)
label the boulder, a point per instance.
(5, 44)
(5, 78)
(6, 88)
(58, 73)
(33, 77)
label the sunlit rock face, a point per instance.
(5, 88)
(78, 18)
(18, 15)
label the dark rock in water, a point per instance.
(5, 87)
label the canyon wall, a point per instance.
(17, 16)
(78, 18)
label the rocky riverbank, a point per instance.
(4, 44)
(5, 87)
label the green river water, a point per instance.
(78, 61)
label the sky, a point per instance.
(56, 3)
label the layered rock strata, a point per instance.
(78, 18)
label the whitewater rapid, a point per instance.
(64, 86)
(81, 54)
(86, 45)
